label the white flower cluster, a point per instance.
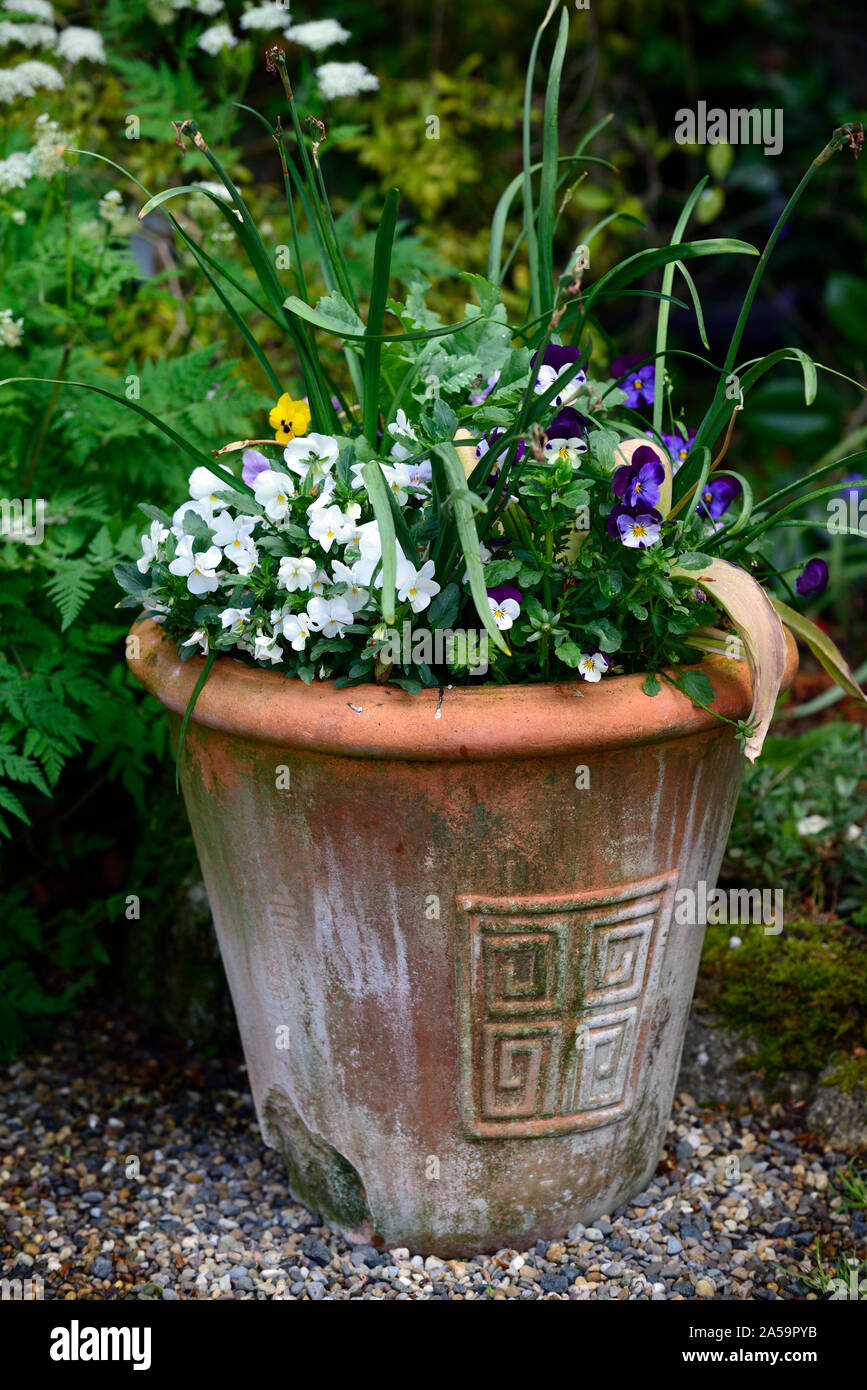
(11, 330)
(28, 35)
(18, 83)
(43, 160)
(217, 38)
(77, 45)
(264, 17)
(325, 579)
(318, 34)
(345, 80)
(35, 9)
(111, 209)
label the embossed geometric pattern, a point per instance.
(551, 1003)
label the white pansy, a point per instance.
(150, 545)
(572, 382)
(206, 486)
(320, 583)
(200, 637)
(203, 508)
(36, 9)
(28, 35)
(11, 330)
(16, 170)
(77, 45)
(312, 455)
(318, 34)
(216, 39)
(295, 627)
(416, 586)
(264, 17)
(592, 666)
(266, 647)
(274, 492)
(235, 618)
(328, 525)
(812, 825)
(504, 612)
(345, 80)
(329, 616)
(397, 476)
(232, 533)
(565, 450)
(296, 572)
(356, 596)
(199, 569)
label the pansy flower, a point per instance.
(253, 463)
(289, 418)
(636, 380)
(638, 532)
(638, 483)
(485, 444)
(565, 436)
(593, 665)
(717, 496)
(812, 579)
(504, 611)
(560, 364)
(678, 447)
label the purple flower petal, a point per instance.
(812, 579)
(254, 464)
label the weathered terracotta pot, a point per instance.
(460, 987)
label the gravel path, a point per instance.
(734, 1210)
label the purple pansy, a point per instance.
(634, 379)
(717, 496)
(621, 521)
(490, 439)
(678, 447)
(560, 364)
(568, 423)
(812, 579)
(254, 463)
(638, 532)
(639, 482)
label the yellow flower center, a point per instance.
(638, 530)
(638, 383)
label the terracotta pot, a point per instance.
(459, 982)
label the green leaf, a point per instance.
(548, 182)
(376, 313)
(444, 607)
(381, 500)
(191, 704)
(650, 685)
(569, 653)
(696, 685)
(824, 650)
(469, 538)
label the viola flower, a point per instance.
(560, 364)
(355, 596)
(329, 616)
(296, 573)
(678, 447)
(506, 591)
(327, 525)
(199, 568)
(484, 445)
(419, 474)
(717, 496)
(812, 579)
(235, 618)
(312, 458)
(295, 627)
(274, 492)
(397, 477)
(639, 482)
(416, 586)
(253, 463)
(150, 545)
(565, 436)
(200, 637)
(639, 532)
(289, 418)
(234, 536)
(266, 647)
(593, 665)
(206, 486)
(504, 612)
(635, 380)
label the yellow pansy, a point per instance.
(289, 418)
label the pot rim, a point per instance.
(464, 723)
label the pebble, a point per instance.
(211, 1217)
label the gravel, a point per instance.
(132, 1168)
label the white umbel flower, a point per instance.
(28, 35)
(209, 7)
(217, 38)
(264, 17)
(36, 9)
(25, 80)
(11, 330)
(345, 80)
(16, 171)
(77, 45)
(318, 34)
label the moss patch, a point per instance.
(802, 994)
